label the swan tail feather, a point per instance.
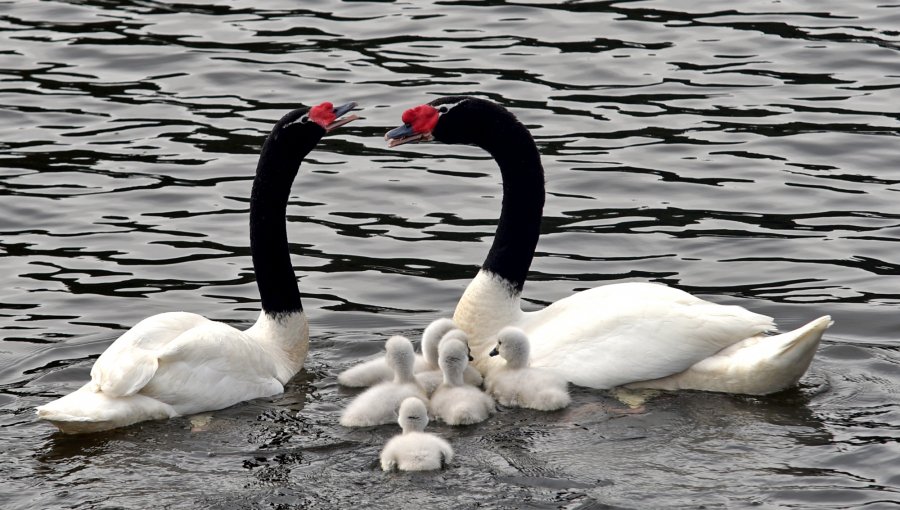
(759, 365)
(802, 342)
(86, 410)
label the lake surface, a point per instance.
(747, 152)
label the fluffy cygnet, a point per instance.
(376, 370)
(415, 449)
(433, 378)
(518, 385)
(378, 405)
(455, 402)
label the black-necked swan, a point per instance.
(516, 384)
(376, 370)
(378, 405)
(415, 449)
(454, 402)
(180, 363)
(645, 334)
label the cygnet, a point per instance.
(433, 378)
(518, 385)
(376, 370)
(455, 402)
(378, 405)
(415, 449)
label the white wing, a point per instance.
(621, 333)
(131, 361)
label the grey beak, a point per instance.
(495, 351)
(344, 108)
(400, 132)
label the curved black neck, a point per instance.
(519, 226)
(268, 228)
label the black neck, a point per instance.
(519, 227)
(268, 228)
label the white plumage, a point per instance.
(181, 363)
(455, 402)
(629, 333)
(376, 370)
(378, 405)
(431, 379)
(650, 335)
(414, 449)
(515, 384)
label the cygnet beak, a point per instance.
(495, 351)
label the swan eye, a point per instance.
(302, 120)
(443, 109)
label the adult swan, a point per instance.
(181, 363)
(636, 334)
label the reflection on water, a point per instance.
(746, 153)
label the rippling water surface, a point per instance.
(744, 151)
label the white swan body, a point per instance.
(516, 384)
(378, 405)
(181, 363)
(454, 402)
(608, 336)
(642, 333)
(414, 449)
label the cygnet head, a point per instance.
(413, 415)
(513, 346)
(400, 357)
(461, 336)
(432, 336)
(453, 360)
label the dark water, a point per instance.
(744, 151)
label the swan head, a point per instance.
(300, 130)
(513, 346)
(413, 415)
(453, 358)
(432, 337)
(400, 356)
(452, 119)
(325, 115)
